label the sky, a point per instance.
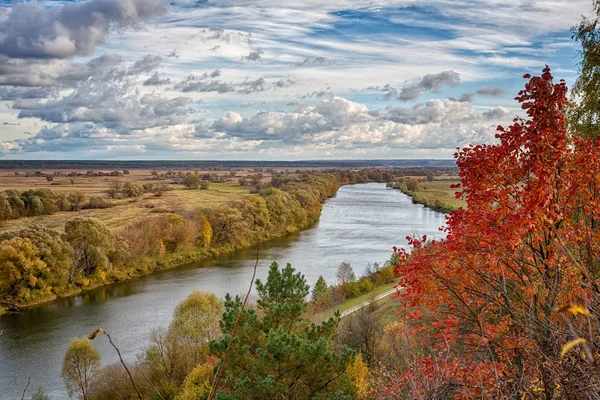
(270, 79)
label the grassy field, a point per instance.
(123, 211)
(439, 190)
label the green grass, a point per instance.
(437, 195)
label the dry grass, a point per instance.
(124, 211)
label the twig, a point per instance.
(99, 331)
(213, 389)
(152, 384)
(26, 386)
(124, 365)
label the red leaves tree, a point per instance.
(485, 302)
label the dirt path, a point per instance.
(366, 303)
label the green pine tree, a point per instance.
(321, 294)
(276, 353)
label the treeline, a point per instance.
(34, 202)
(275, 353)
(216, 165)
(38, 263)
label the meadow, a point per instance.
(122, 211)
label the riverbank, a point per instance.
(154, 243)
(436, 195)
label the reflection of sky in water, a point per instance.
(360, 225)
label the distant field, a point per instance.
(440, 190)
(124, 211)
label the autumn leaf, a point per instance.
(567, 347)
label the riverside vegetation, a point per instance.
(276, 352)
(38, 263)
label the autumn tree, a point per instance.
(92, 242)
(345, 274)
(50, 249)
(80, 365)
(22, 272)
(196, 320)
(75, 200)
(487, 302)
(191, 181)
(174, 352)
(131, 189)
(412, 185)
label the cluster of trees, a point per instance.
(193, 181)
(34, 202)
(119, 190)
(255, 181)
(274, 352)
(38, 262)
(180, 176)
(348, 286)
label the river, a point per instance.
(359, 225)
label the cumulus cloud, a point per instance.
(17, 93)
(112, 104)
(31, 30)
(59, 73)
(254, 55)
(343, 123)
(156, 80)
(437, 111)
(428, 83)
(122, 120)
(496, 113)
(312, 61)
(484, 91)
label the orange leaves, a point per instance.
(95, 333)
(528, 240)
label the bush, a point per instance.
(99, 202)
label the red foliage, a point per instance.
(484, 300)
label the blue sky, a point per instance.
(265, 79)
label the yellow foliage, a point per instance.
(360, 375)
(207, 231)
(577, 310)
(197, 384)
(565, 349)
(175, 220)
